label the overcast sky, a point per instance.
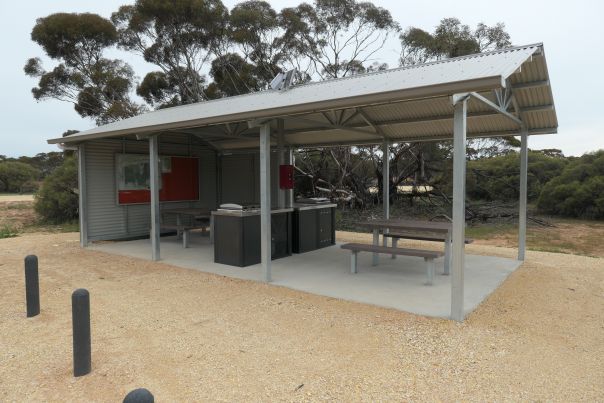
(570, 30)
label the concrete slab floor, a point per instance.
(397, 284)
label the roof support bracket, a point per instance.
(495, 107)
(457, 98)
(257, 123)
(376, 129)
(325, 125)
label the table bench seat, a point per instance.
(185, 230)
(428, 255)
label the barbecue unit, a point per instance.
(237, 234)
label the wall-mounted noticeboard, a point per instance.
(179, 179)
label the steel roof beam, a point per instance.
(415, 120)
(412, 139)
(530, 84)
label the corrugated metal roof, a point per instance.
(408, 103)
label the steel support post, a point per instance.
(523, 194)
(459, 209)
(281, 202)
(265, 200)
(154, 190)
(83, 203)
(386, 185)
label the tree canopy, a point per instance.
(336, 38)
(180, 38)
(450, 38)
(98, 87)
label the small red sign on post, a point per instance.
(286, 176)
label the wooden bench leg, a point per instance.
(394, 243)
(185, 238)
(376, 241)
(429, 270)
(353, 261)
(447, 262)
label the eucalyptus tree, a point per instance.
(98, 87)
(252, 54)
(450, 38)
(335, 38)
(181, 38)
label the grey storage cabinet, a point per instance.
(313, 228)
(237, 239)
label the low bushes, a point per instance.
(57, 200)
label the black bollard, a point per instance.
(141, 395)
(80, 314)
(32, 286)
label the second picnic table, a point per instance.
(196, 213)
(399, 225)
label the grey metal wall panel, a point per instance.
(240, 175)
(208, 177)
(106, 220)
(239, 172)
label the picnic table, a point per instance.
(383, 226)
(196, 213)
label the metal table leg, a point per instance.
(447, 263)
(212, 229)
(376, 241)
(178, 225)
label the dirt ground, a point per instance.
(16, 198)
(568, 236)
(16, 214)
(191, 336)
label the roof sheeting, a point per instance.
(403, 103)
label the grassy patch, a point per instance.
(7, 231)
(19, 206)
(54, 228)
(484, 231)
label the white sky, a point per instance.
(571, 33)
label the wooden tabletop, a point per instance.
(197, 212)
(399, 224)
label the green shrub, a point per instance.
(578, 191)
(57, 200)
(498, 178)
(14, 174)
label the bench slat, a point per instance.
(416, 237)
(361, 247)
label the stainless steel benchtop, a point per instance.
(303, 206)
(248, 213)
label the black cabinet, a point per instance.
(313, 228)
(237, 238)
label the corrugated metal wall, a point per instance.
(240, 178)
(107, 219)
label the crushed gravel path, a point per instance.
(191, 336)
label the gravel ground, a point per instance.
(191, 336)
